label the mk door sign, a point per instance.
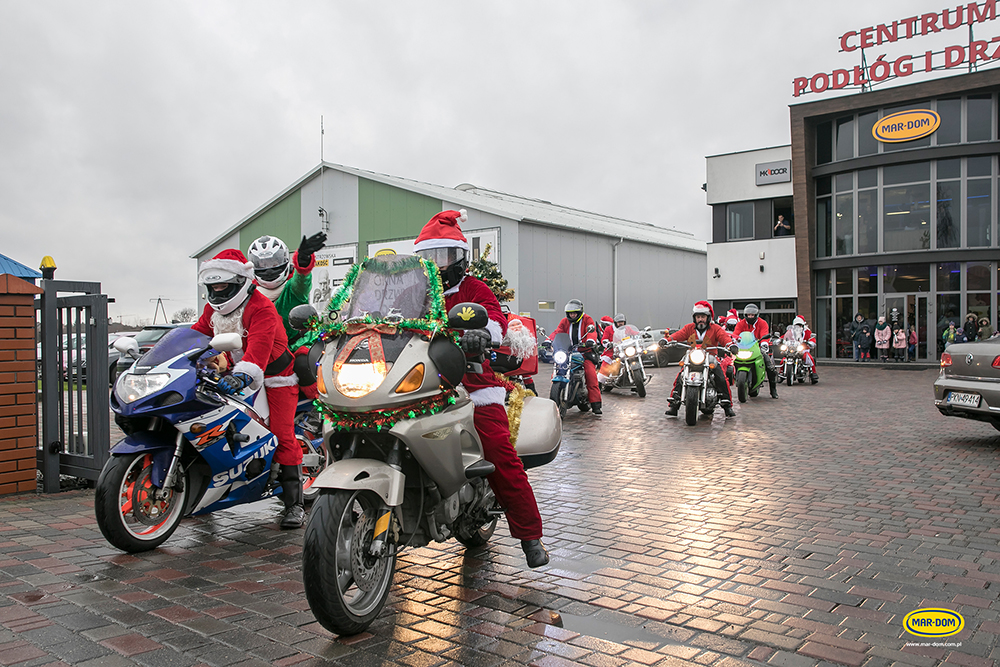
(773, 172)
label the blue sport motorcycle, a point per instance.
(569, 385)
(188, 449)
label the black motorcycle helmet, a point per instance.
(750, 313)
(452, 263)
(574, 310)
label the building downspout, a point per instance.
(614, 275)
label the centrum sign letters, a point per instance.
(976, 51)
(773, 172)
(906, 126)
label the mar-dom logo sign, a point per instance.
(906, 126)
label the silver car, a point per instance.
(969, 383)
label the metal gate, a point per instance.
(75, 417)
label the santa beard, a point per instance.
(521, 341)
(231, 323)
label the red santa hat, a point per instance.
(704, 307)
(229, 261)
(731, 314)
(443, 231)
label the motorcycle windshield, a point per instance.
(625, 332)
(177, 341)
(561, 341)
(390, 285)
(793, 336)
(746, 341)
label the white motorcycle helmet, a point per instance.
(270, 259)
(227, 291)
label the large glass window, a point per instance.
(979, 118)
(867, 144)
(906, 278)
(845, 224)
(949, 308)
(868, 221)
(950, 131)
(823, 308)
(824, 143)
(845, 315)
(845, 281)
(949, 214)
(979, 225)
(978, 276)
(906, 218)
(868, 280)
(949, 277)
(824, 229)
(845, 138)
(740, 221)
(823, 284)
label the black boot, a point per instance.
(291, 494)
(727, 407)
(814, 376)
(672, 408)
(535, 553)
(596, 407)
(774, 389)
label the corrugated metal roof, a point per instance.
(10, 267)
(505, 205)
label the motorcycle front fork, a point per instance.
(170, 479)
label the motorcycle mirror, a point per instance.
(227, 342)
(647, 328)
(300, 316)
(127, 345)
(591, 328)
(468, 316)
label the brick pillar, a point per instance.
(18, 388)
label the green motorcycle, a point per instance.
(748, 362)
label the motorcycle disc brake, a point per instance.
(366, 569)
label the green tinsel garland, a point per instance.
(436, 323)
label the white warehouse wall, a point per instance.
(740, 276)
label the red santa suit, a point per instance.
(759, 328)
(577, 334)
(509, 481)
(266, 359)
(714, 336)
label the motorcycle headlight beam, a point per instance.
(560, 357)
(131, 387)
(697, 357)
(357, 380)
(744, 354)
(630, 351)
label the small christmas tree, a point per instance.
(488, 272)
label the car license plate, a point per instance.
(961, 398)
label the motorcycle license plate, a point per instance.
(963, 399)
(695, 377)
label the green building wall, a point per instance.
(386, 212)
(283, 220)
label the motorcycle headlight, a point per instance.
(630, 351)
(560, 357)
(697, 357)
(357, 380)
(132, 387)
(744, 354)
(802, 348)
(783, 347)
(653, 348)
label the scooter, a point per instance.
(408, 462)
(749, 364)
(569, 383)
(188, 449)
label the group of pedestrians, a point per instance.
(974, 328)
(887, 341)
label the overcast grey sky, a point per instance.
(133, 133)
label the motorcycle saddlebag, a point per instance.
(540, 433)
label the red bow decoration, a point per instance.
(361, 332)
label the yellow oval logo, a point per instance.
(906, 126)
(384, 252)
(933, 622)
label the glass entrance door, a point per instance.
(910, 310)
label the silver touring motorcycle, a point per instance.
(408, 465)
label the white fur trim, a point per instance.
(427, 244)
(230, 265)
(253, 370)
(463, 216)
(489, 396)
(496, 333)
(282, 381)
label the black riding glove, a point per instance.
(308, 247)
(475, 341)
(233, 384)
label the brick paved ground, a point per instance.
(798, 534)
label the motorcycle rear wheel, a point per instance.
(480, 537)
(741, 386)
(345, 586)
(691, 408)
(128, 512)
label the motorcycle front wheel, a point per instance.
(555, 396)
(129, 513)
(640, 386)
(741, 386)
(691, 408)
(346, 586)
(789, 375)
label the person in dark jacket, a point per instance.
(985, 328)
(971, 327)
(864, 342)
(859, 321)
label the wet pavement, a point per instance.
(799, 533)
